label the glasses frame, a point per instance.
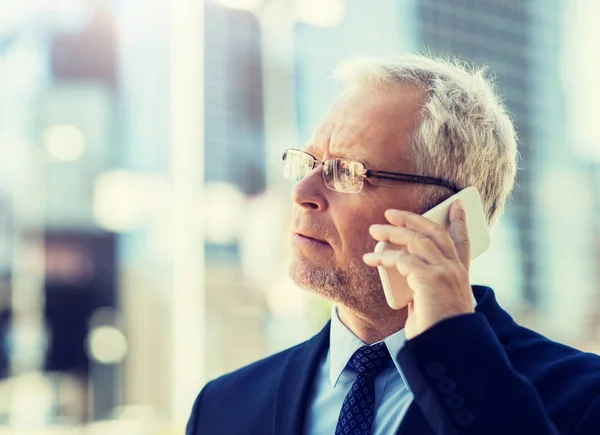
(383, 175)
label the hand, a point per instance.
(435, 262)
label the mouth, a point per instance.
(304, 238)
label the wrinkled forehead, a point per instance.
(337, 139)
(367, 125)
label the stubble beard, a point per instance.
(356, 287)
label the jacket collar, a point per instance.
(500, 321)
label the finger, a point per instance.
(372, 258)
(416, 243)
(421, 224)
(459, 232)
(389, 233)
(404, 262)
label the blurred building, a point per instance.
(235, 170)
(56, 135)
(580, 41)
(234, 155)
(235, 149)
(321, 48)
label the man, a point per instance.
(406, 134)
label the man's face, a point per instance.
(371, 127)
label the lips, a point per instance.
(310, 237)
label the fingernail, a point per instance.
(459, 204)
(393, 212)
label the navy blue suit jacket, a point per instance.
(472, 374)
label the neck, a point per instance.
(373, 328)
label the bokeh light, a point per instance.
(64, 142)
(107, 345)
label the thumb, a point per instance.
(460, 233)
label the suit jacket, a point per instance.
(472, 374)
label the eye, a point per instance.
(347, 175)
(351, 171)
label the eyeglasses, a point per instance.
(346, 176)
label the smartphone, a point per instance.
(394, 285)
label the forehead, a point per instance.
(368, 125)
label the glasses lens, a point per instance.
(344, 175)
(296, 165)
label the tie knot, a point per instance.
(370, 360)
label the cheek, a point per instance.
(353, 217)
(354, 233)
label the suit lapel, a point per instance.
(295, 384)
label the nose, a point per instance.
(309, 193)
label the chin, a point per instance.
(357, 287)
(315, 278)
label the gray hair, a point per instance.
(465, 135)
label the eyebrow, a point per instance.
(340, 155)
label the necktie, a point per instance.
(358, 409)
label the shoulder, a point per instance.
(540, 356)
(535, 356)
(256, 382)
(567, 379)
(248, 393)
(251, 392)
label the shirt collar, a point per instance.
(343, 343)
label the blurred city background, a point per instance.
(143, 215)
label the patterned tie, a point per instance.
(358, 409)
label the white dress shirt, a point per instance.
(335, 377)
